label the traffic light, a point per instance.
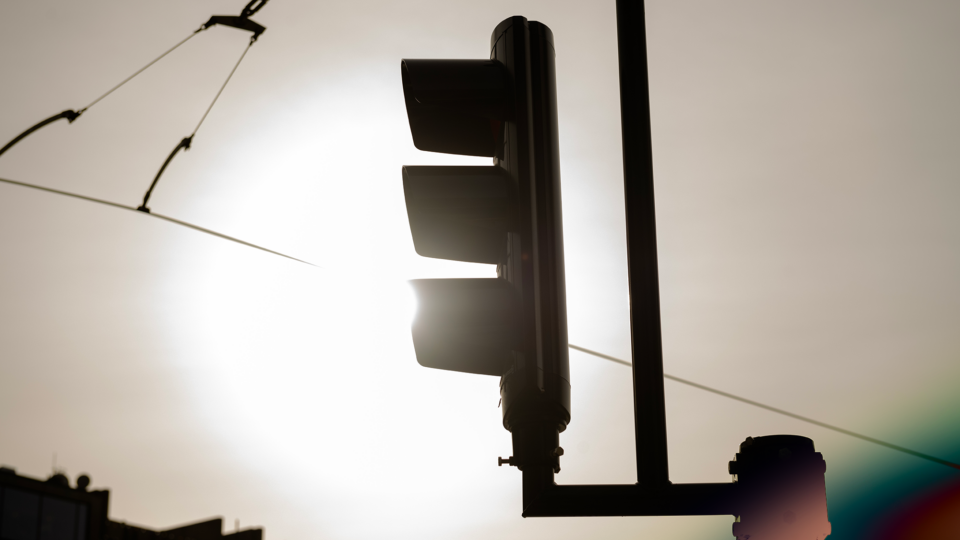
(784, 493)
(509, 214)
(515, 327)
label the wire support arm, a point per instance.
(242, 21)
(234, 21)
(70, 115)
(185, 145)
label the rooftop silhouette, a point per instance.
(52, 509)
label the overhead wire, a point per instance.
(613, 359)
(185, 143)
(212, 103)
(158, 216)
(243, 22)
(141, 70)
(778, 411)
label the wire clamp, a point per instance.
(242, 21)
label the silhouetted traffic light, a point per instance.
(515, 326)
(781, 479)
(508, 214)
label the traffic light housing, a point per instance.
(782, 481)
(509, 214)
(514, 326)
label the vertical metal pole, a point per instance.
(648, 402)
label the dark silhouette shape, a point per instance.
(185, 145)
(50, 509)
(203, 530)
(241, 22)
(460, 213)
(466, 324)
(515, 326)
(69, 115)
(784, 491)
(457, 106)
(32, 509)
(507, 214)
(642, 271)
(73, 115)
(83, 481)
(58, 479)
(186, 141)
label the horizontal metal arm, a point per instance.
(634, 500)
(69, 115)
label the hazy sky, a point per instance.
(807, 176)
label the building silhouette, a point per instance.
(51, 509)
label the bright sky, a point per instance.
(806, 173)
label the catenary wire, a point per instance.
(158, 216)
(574, 347)
(778, 411)
(141, 70)
(212, 103)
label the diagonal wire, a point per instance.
(779, 411)
(158, 216)
(574, 347)
(141, 70)
(212, 103)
